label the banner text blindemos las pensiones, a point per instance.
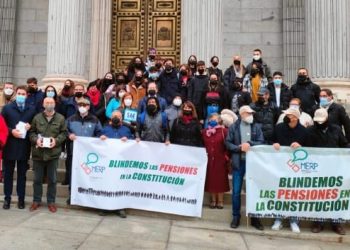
(307, 183)
(112, 174)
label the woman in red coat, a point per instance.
(217, 172)
(3, 138)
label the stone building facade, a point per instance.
(58, 39)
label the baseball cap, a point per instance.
(246, 109)
(321, 115)
(292, 111)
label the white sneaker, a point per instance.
(295, 228)
(277, 225)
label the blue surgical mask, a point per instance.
(324, 101)
(20, 99)
(50, 94)
(277, 82)
(212, 123)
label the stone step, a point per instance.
(214, 219)
(30, 175)
(62, 191)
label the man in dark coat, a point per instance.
(307, 91)
(280, 93)
(18, 115)
(243, 134)
(169, 84)
(35, 96)
(336, 112)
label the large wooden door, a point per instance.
(142, 24)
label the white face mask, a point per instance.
(128, 102)
(292, 106)
(121, 94)
(82, 110)
(177, 102)
(248, 119)
(8, 91)
(256, 57)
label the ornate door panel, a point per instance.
(142, 24)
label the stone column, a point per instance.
(293, 38)
(7, 38)
(201, 29)
(67, 41)
(328, 44)
(100, 48)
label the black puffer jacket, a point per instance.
(196, 88)
(186, 134)
(266, 115)
(332, 138)
(309, 94)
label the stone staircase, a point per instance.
(218, 219)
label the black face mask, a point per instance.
(138, 78)
(152, 57)
(236, 62)
(108, 82)
(66, 87)
(254, 72)
(261, 100)
(151, 109)
(183, 72)
(302, 78)
(137, 65)
(236, 86)
(31, 90)
(322, 126)
(193, 64)
(78, 94)
(152, 92)
(120, 81)
(213, 82)
(201, 71)
(215, 64)
(158, 65)
(187, 112)
(115, 122)
(286, 120)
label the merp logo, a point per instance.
(90, 167)
(299, 162)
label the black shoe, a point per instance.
(235, 222)
(68, 201)
(64, 183)
(121, 213)
(7, 204)
(20, 204)
(255, 222)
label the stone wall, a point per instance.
(250, 24)
(30, 40)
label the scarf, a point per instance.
(212, 131)
(187, 119)
(94, 96)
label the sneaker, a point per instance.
(295, 228)
(277, 225)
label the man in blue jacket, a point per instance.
(18, 116)
(243, 134)
(169, 83)
(35, 96)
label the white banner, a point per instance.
(112, 174)
(308, 183)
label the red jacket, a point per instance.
(3, 134)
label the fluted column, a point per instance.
(7, 38)
(100, 48)
(293, 38)
(67, 39)
(201, 29)
(328, 43)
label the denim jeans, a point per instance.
(237, 182)
(51, 167)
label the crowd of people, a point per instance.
(227, 112)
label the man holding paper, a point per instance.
(17, 116)
(47, 134)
